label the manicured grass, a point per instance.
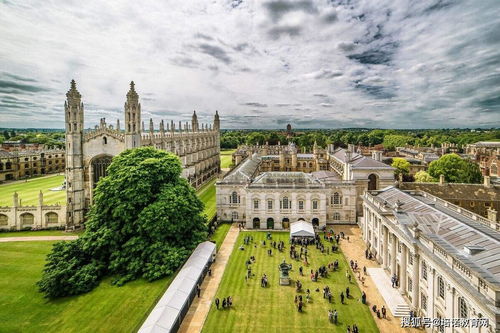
(207, 195)
(28, 191)
(256, 309)
(107, 308)
(226, 158)
(38, 233)
(220, 233)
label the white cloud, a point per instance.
(427, 63)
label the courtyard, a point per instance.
(29, 189)
(272, 309)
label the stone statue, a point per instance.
(284, 268)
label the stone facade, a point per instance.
(259, 196)
(24, 164)
(41, 216)
(445, 258)
(88, 153)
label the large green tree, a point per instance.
(401, 165)
(144, 222)
(455, 169)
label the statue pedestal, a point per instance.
(284, 281)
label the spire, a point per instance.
(194, 122)
(143, 127)
(118, 125)
(162, 127)
(73, 96)
(151, 125)
(216, 121)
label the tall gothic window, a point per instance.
(99, 167)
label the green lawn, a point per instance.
(207, 195)
(256, 309)
(28, 191)
(220, 233)
(226, 157)
(105, 309)
(38, 233)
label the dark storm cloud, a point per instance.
(381, 55)
(216, 52)
(8, 86)
(255, 104)
(278, 8)
(287, 30)
(376, 91)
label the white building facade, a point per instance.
(447, 259)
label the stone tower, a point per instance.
(194, 122)
(132, 119)
(216, 121)
(73, 108)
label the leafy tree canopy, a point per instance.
(455, 169)
(144, 222)
(423, 177)
(401, 165)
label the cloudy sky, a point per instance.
(262, 64)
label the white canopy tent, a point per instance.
(301, 229)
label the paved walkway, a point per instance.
(391, 296)
(36, 238)
(198, 311)
(355, 249)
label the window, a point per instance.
(27, 219)
(269, 204)
(441, 287)
(3, 219)
(301, 205)
(424, 270)
(423, 302)
(285, 204)
(234, 198)
(410, 284)
(462, 308)
(399, 247)
(410, 258)
(336, 216)
(337, 200)
(234, 215)
(256, 204)
(105, 140)
(51, 218)
(315, 204)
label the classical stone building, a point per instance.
(88, 153)
(24, 164)
(446, 258)
(266, 194)
(40, 216)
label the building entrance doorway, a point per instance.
(270, 223)
(256, 223)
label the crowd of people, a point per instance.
(299, 251)
(227, 302)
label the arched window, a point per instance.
(336, 216)
(27, 219)
(372, 182)
(105, 140)
(234, 198)
(4, 219)
(99, 168)
(462, 308)
(304, 164)
(51, 218)
(337, 199)
(8, 165)
(441, 287)
(310, 164)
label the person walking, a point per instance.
(342, 297)
(217, 303)
(384, 312)
(198, 290)
(335, 317)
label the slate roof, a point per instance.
(456, 191)
(450, 230)
(244, 172)
(359, 161)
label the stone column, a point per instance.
(403, 277)
(416, 282)
(386, 248)
(393, 254)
